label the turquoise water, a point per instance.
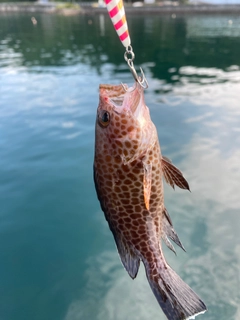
(57, 256)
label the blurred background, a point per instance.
(57, 256)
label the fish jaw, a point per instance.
(126, 100)
(130, 132)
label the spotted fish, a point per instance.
(128, 172)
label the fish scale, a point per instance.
(128, 172)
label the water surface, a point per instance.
(58, 258)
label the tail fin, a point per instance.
(177, 300)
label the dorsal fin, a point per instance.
(169, 232)
(129, 259)
(173, 175)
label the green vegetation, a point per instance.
(22, 1)
(68, 5)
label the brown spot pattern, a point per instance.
(120, 183)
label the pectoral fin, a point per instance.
(147, 183)
(173, 175)
(169, 232)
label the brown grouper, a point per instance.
(128, 174)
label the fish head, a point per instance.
(123, 126)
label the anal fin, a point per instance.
(173, 175)
(169, 232)
(168, 243)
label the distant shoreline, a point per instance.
(93, 8)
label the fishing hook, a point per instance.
(139, 79)
(125, 88)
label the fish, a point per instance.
(128, 174)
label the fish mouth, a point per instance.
(113, 91)
(122, 97)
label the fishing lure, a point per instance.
(117, 14)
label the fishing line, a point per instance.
(117, 15)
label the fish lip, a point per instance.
(111, 91)
(136, 99)
(113, 95)
(122, 98)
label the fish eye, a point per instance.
(104, 118)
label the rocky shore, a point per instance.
(93, 8)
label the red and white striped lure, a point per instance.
(117, 14)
